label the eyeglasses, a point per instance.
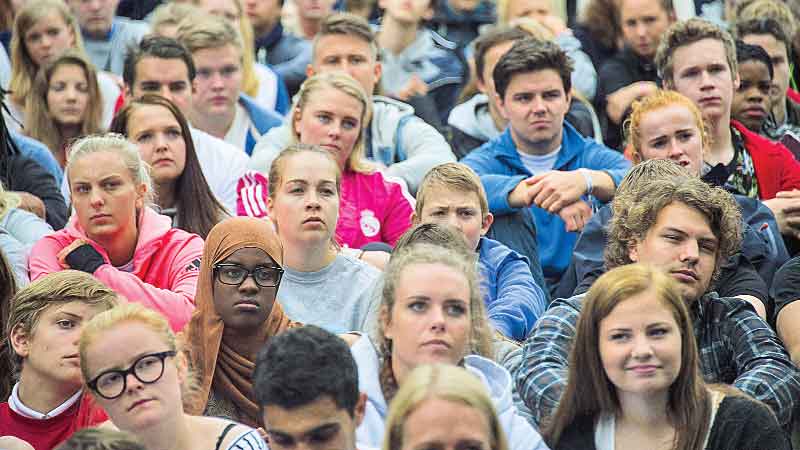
(148, 369)
(234, 275)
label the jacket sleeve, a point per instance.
(584, 75)
(176, 302)
(398, 216)
(17, 257)
(609, 161)
(497, 186)
(42, 259)
(268, 148)
(765, 371)
(424, 148)
(545, 359)
(34, 179)
(519, 302)
(790, 170)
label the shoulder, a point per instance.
(742, 422)
(234, 435)
(349, 265)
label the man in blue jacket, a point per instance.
(540, 161)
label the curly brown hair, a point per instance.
(636, 211)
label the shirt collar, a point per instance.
(18, 407)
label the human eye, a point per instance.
(204, 73)
(81, 188)
(619, 336)
(552, 95)
(149, 87)
(764, 87)
(144, 137)
(716, 69)
(708, 246)
(439, 213)
(455, 309)
(110, 185)
(296, 189)
(327, 191)
(418, 306)
(108, 379)
(178, 87)
(34, 37)
(523, 98)
(331, 61)
(58, 87)
(281, 439)
(357, 60)
(229, 71)
(630, 23)
(350, 124)
(324, 435)
(53, 31)
(690, 73)
(324, 117)
(467, 212)
(82, 88)
(659, 143)
(174, 133)
(744, 85)
(684, 136)
(66, 324)
(233, 272)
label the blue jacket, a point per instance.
(285, 53)
(261, 119)
(500, 168)
(513, 299)
(38, 152)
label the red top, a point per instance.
(776, 168)
(793, 95)
(46, 434)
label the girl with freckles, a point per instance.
(634, 379)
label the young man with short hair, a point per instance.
(106, 37)
(451, 194)
(631, 74)
(219, 107)
(698, 59)
(306, 382)
(751, 101)
(540, 162)
(398, 140)
(164, 67)
(688, 229)
(286, 53)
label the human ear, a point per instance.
(20, 341)
(487, 223)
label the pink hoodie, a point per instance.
(166, 265)
(373, 207)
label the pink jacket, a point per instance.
(373, 207)
(166, 264)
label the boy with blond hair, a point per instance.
(451, 194)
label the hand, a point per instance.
(620, 100)
(62, 255)
(376, 259)
(31, 203)
(415, 86)
(83, 257)
(576, 215)
(14, 443)
(786, 208)
(556, 189)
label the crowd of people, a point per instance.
(399, 224)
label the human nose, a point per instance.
(312, 199)
(452, 220)
(437, 319)
(160, 142)
(675, 150)
(706, 80)
(96, 198)
(249, 283)
(132, 383)
(642, 348)
(641, 29)
(690, 252)
(538, 106)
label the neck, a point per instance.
(165, 194)
(395, 36)
(305, 257)
(779, 110)
(309, 27)
(721, 150)
(168, 434)
(247, 343)
(121, 248)
(41, 395)
(68, 133)
(399, 371)
(499, 122)
(216, 125)
(646, 411)
(264, 30)
(536, 148)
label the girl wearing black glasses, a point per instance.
(236, 315)
(130, 362)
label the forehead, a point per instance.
(215, 55)
(667, 120)
(642, 307)
(536, 81)
(309, 167)
(702, 53)
(53, 19)
(98, 165)
(302, 419)
(251, 255)
(440, 195)
(107, 349)
(629, 8)
(342, 44)
(227, 6)
(144, 116)
(162, 70)
(494, 53)
(754, 69)
(68, 71)
(680, 216)
(333, 100)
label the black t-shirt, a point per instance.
(786, 285)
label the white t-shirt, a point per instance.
(223, 165)
(537, 164)
(237, 133)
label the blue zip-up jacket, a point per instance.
(500, 168)
(261, 119)
(38, 152)
(513, 299)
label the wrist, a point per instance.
(587, 178)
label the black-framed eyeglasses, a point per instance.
(234, 275)
(148, 369)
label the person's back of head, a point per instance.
(305, 378)
(165, 18)
(433, 234)
(101, 439)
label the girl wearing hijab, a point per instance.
(236, 315)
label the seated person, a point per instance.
(442, 406)
(751, 101)
(432, 313)
(259, 81)
(310, 14)
(631, 74)
(785, 291)
(738, 159)
(419, 66)
(452, 194)
(403, 143)
(164, 67)
(544, 165)
(768, 34)
(635, 356)
(306, 383)
(478, 119)
(30, 50)
(107, 36)
(667, 125)
(164, 138)
(219, 107)
(63, 103)
(149, 404)
(236, 315)
(116, 237)
(286, 53)
(330, 111)
(35, 185)
(320, 284)
(101, 439)
(687, 229)
(47, 403)
(460, 21)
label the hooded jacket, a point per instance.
(521, 435)
(500, 168)
(286, 53)
(462, 27)
(165, 265)
(261, 121)
(776, 168)
(395, 138)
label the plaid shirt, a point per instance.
(736, 347)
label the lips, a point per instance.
(139, 403)
(643, 369)
(314, 219)
(685, 275)
(99, 216)
(247, 305)
(710, 100)
(163, 162)
(437, 344)
(755, 112)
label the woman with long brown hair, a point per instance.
(634, 378)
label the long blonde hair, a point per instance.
(23, 68)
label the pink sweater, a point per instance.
(166, 265)
(373, 207)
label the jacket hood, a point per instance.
(473, 118)
(386, 115)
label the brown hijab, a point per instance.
(212, 361)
